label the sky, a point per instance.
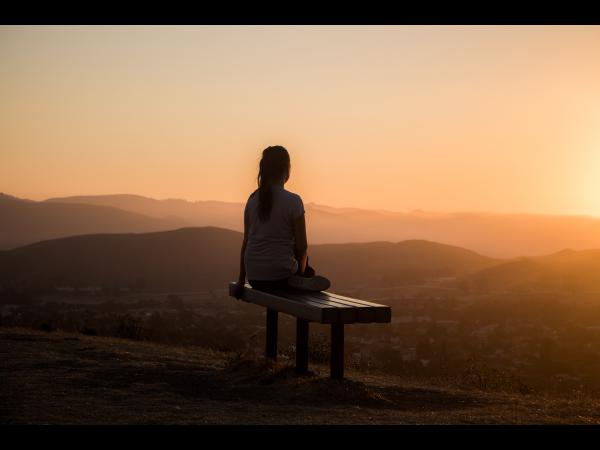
(437, 118)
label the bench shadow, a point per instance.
(260, 383)
(281, 385)
(257, 382)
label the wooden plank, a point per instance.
(288, 306)
(307, 297)
(331, 313)
(345, 313)
(364, 314)
(322, 307)
(383, 313)
(353, 300)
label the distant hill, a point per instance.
(498, 235)
(200, 213)
(26, 221)
(201, 258)
(386, 263)
(567, 270)
(188, 258)
(208, 257)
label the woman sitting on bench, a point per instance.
(274, 250)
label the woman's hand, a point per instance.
(239, 289)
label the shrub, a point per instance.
(89, 331)
(486, 378)
(48, 327)
(175, 302)
(318, 349)
(128, 328)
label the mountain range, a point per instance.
(198, 258)
(208, 257)
(25, 221)
(494, 234)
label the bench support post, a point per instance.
(301, 345)
(337, 351)
(271, 345)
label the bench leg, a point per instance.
(271, 347)
(301, 345)
(337, 351)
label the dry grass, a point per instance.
(63, 378)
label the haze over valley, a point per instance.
(493, 234)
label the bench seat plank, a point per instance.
(352, 300)
(322, 307)
(288, 306)
(383, 313)
(343, 313)
(346, 313)
(364, 314)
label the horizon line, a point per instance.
(379, 210)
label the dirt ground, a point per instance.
(62, 378)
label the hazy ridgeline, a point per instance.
(497, 235)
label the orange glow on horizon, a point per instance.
(398, 118)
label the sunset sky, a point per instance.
(502, 119)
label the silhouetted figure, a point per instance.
(274, 250)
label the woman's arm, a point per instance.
(242, 277)
(301, 245)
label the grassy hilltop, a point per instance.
(64, 378)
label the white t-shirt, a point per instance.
(269, 251)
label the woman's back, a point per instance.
(269, 253)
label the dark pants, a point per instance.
(265, 285)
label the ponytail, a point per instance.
(274, 166)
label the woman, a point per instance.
(274, 250)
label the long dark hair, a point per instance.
(274, 167)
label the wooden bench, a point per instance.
(321, 307)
